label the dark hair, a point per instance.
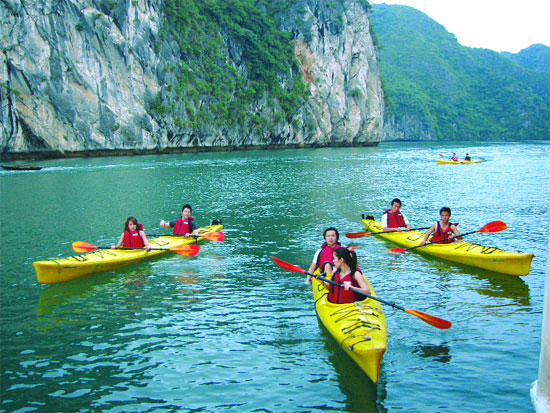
(331, 229)
(132, 219)
(187, 206)
(394, 200)
(349, 257)
(445, 209)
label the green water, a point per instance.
(227, 330)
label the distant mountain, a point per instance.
(438, 89)
(535, 57)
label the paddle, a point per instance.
(188, 249)
(362, 234)
(212, 236)
(430, 319)
(494, 226)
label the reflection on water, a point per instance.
(435, 352)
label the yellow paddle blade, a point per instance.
(81, 246)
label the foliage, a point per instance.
(454, 91)
(230, 80)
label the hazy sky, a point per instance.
(501, 25)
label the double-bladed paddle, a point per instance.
(211, 236)
(494, 226)
(188, 249)
(430, 319)
(362, 234)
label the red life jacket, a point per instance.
(395, 220)
(133, 239)
(182, 227)
(440, 234)
(338, 294)
(326, 255)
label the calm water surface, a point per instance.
(227, 330)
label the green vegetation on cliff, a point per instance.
(231, 53)
(438, 89)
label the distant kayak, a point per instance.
(443, 162)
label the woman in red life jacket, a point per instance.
(182, 226)
(393, 219)
(132, 236)
(323, 256)
(454, 157)
(348, 275)
(442, 229)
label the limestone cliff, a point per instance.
(80, 76)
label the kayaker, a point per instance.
(347, 274)
(442, 229)
(393, 219)
(182, 226)
(467, 157)
(132, 236)
(323, 256)
(454, 157)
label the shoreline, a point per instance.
(42, 155)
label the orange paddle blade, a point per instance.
(494, 226)
(430, 319)
(189, 249)
(287, 266)
(396, 249)
(213, 236)
(81, 246)
(357, 234)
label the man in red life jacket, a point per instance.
(182, 226)
(323, 258)
(442, 229)
(393, 219)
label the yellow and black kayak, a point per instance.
(488, 258)
(445, 162)
(55, 271)
(358, 327)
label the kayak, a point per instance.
(474, 255)
(55, 271)
(358, 327)
(444, 162)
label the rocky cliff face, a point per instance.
(80, 76)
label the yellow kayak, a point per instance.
(359, 327)
(444, 162)
(59, 270)
(488, 258)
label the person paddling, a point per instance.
(442, 229)
(393, 219)
(454, 157)
(182, 226)
(323, 258)
(467, 157)
(132, 236)
(349, 275)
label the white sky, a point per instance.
(500, 25)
